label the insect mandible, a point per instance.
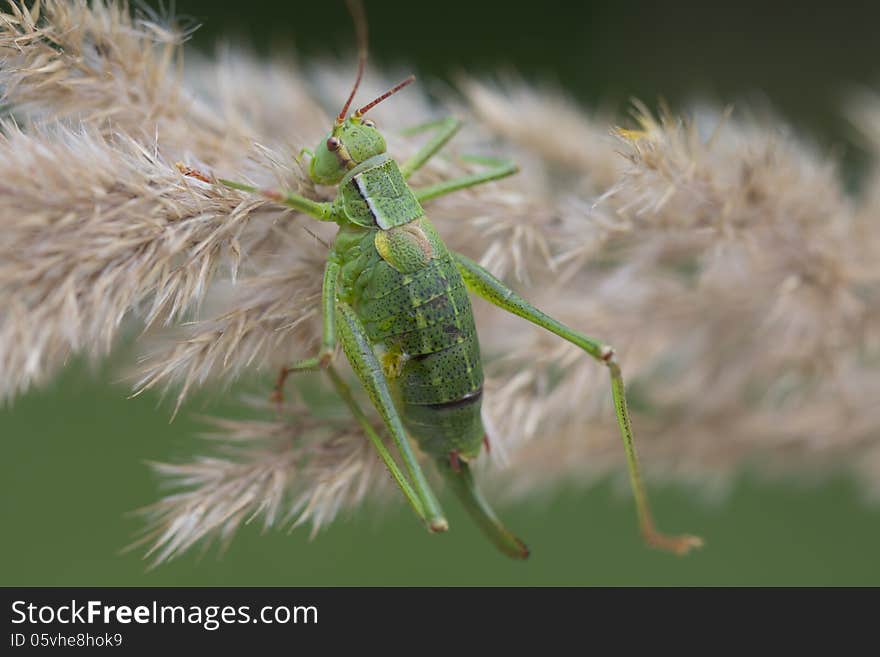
(396, 299)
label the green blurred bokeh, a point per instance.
(73, 467)
(72, 454)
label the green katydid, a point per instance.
(396, 299)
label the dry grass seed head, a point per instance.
(715, 252)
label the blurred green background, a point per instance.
(71, 457)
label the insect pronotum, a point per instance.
(396, 299)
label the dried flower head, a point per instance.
(721, 256)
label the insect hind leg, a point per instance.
(481, 282)
(344, 392)
(359, 351)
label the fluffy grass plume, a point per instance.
(721, 255)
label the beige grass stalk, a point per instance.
(721, 256)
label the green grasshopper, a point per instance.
(396, 299)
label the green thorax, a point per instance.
(375, 194)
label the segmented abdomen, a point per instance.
(426, 316)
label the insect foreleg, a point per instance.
(447, 129)
(497, 169)
(359, 350)
(481, 282)
(318, 210)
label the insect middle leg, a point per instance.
(447, 129)
(497, 169)
(359, 350)
(328, 332)
(481, 282)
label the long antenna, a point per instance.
(400, 85)
(356, 9)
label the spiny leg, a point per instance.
(447, 129)
(344, 392)
(498, 168)
(319, 210)
(328, 332)
(490, 288)
(359, 350)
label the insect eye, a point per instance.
(370, 123)
(333, 144)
